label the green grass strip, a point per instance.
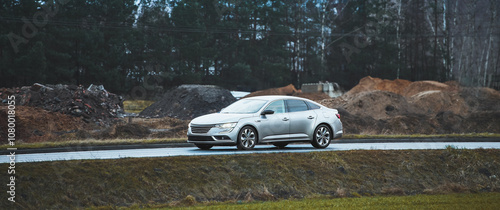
(450, 201)
(453, 135)
(92, 142)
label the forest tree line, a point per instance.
(246, 45)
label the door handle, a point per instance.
(310, 117)
(285, 119)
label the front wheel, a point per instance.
(204, 146)
(247, 138)
(322, 137)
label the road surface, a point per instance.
(192, 151)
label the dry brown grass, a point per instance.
(174, 181)
(392, 191)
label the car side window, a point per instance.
(312, 106)
(277, 107)
(296, 106)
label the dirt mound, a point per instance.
(482, 122)
(37, 125)
(400, 86)
(92, 104)
(436, 101)
(190, 101)
(377, 106)
(365, 84)
(370, 83)
(287, 90)
(480, 99)
(422, 86)
(355, 124)
(396, 86)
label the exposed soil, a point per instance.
(49, 112)
(377, 106)
(374, 106)
(38, 125)
(93, 104)
(287, 90)
(190, 101)
(375, 103)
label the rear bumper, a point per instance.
(338, 135)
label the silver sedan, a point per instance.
(278, 120)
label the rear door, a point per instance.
(302, 119)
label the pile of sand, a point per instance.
(375, 103)
(379, 106)
(287, 90)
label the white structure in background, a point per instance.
(331, 89)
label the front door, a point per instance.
(275, 126)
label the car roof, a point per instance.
(283, 97)
(276, 97)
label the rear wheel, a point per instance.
(204, 146)
(322, 137)
(280, 145)
(247, 138)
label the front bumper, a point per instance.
(214, 136)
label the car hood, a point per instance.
(217, 118)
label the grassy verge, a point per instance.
(172, 181)
(453, 135)
(449, 201)
(87, 142)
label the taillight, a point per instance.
(338, 115)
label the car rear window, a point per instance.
(296, 106)
(312, 106)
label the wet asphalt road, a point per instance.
(80, 154)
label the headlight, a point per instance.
(226, 125)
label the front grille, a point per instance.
(201, 128)
(200, 138)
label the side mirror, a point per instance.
(267, 112)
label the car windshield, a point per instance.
(244, 106)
